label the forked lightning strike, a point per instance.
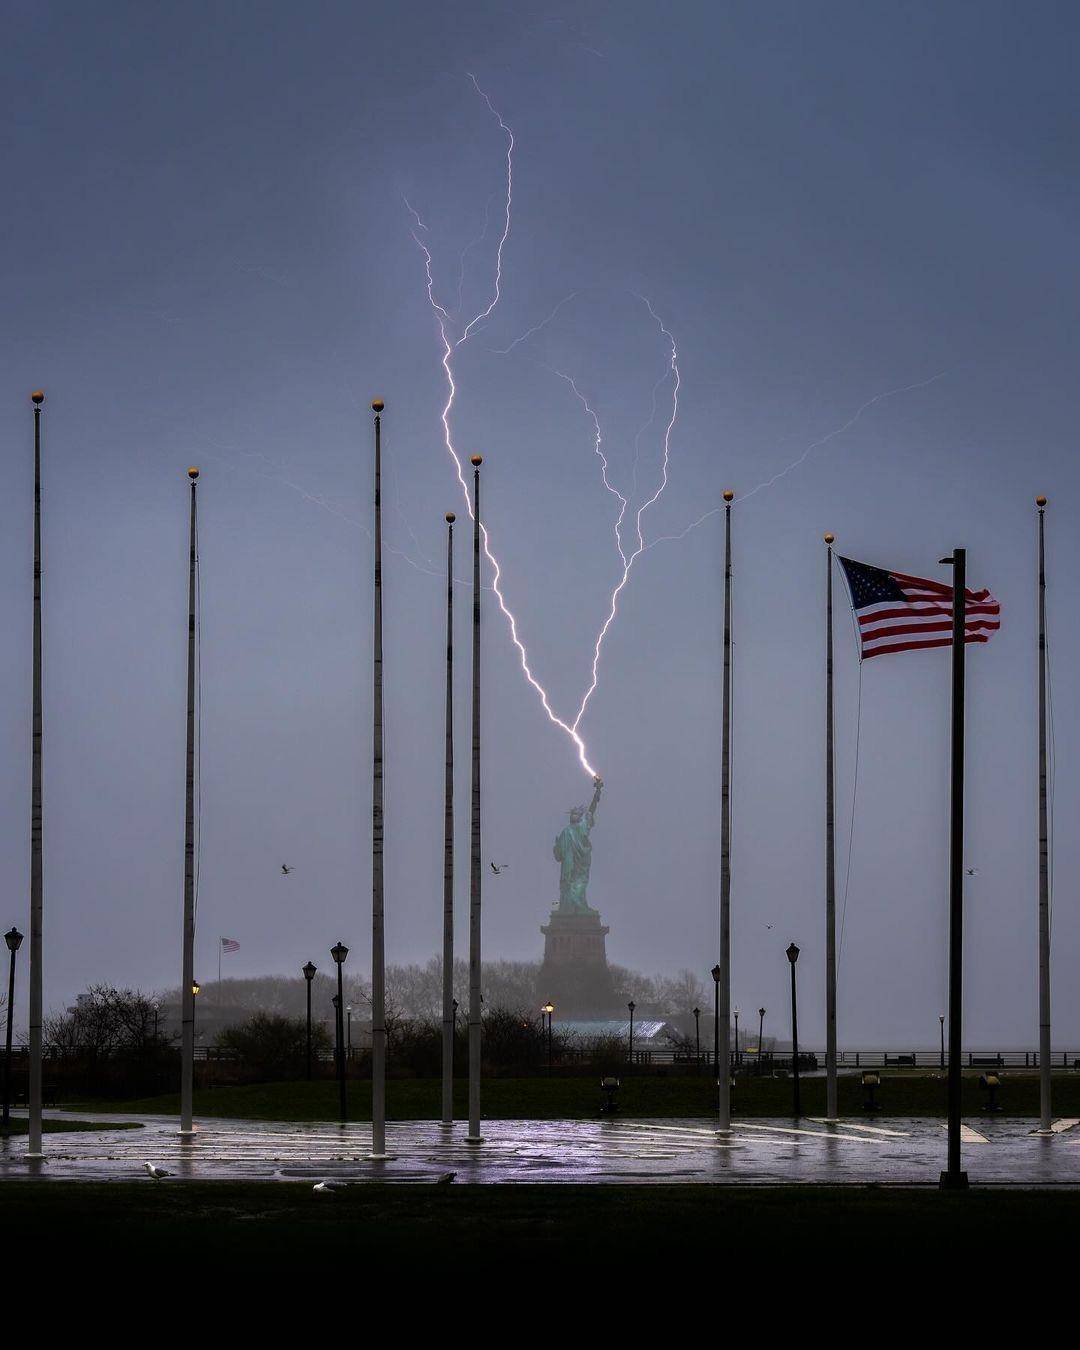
(446, 323)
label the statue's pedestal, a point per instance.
(574, 974)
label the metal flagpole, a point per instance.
(723, 1073)
(830, 850)
(448, 845)
(1045, 1112)
(475, 873)
(954, 1178)
(34, 1149)
(187, 985)
(378, 941)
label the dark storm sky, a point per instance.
(206, 259)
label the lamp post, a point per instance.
(339, 952)
(760, 1036)
(14, 941)
(309, 970)
(793, 956)
(348, 1031)
(697, 1037)
(716, 1018)
(631, 1005)
(736, 1037)
(546, 1011)
(941, 1019)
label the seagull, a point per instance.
(445, 1178)
(158, 1173)
(327, 1187)
(500, 867)
(286, 869)
(973, 871)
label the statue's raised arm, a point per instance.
(598, 787)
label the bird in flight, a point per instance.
(973, 871)
(286, 869)
(499, 867)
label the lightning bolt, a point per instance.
(451, 344)
(453, 335)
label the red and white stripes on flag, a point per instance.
(229, 945)
(897, 613)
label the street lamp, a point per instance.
(546, 1011)
(941, 1019)
(631, 1005)
(697, 1037)
(760, 1036)
(339, 952)
(196, 990)
(736, 1037)
(793, 956)
(348, 1031)
(716, 972)
(309, 969)
(14, 941)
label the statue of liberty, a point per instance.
(573, 852)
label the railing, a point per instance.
(863, 1059)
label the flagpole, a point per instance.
(378, 941)
(1045, 1110)
(954, 1178)
(723, 1070)
(34, 1149)
(475, 874)
(830, 849)
(187, 990)
(448, 845)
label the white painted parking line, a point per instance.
(854, 1125)
(814, 1134)
(967, 1134)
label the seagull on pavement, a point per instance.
(158, 1173)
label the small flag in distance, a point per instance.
(229, 945)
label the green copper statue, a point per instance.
(573, 852)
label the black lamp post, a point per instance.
(697, 1037)
(716, 1018)
(736, 1037)
(631, 1005)
(546, 1011)
(941, 1019)
(348, 1031)
(14, 941)
(760, 1036)
(309, 970)
(339, 953)
(196, 990)
(793, 956)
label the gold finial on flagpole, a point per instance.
(450, 517)
(476, 460)
(728, 495)
(193, 473)
(830, 539)
(377, 405)
(1040, 502)
(38, 397)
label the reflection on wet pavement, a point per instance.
(905, 1151)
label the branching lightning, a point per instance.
(451, 343)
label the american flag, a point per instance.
(229, 945)
(896, 612)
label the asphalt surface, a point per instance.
(997, 1150)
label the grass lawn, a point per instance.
(579, 1098)
(18, 1126)
(662, 1231)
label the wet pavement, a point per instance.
(996, 1151)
